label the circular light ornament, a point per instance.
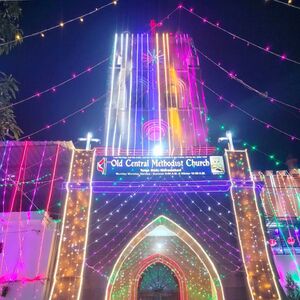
(155, 129)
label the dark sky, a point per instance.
(42, 62)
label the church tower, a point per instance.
(156, 103)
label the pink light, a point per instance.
(283, 57)
(232, 74)
(53, 89)
(179, 6)
(191, 9)
(204, 20)
(268, 126)
(48, 126)
(218, 24)
(89, 69)
(292, 138)
(74, 75)
(37, 94)
(267, 48)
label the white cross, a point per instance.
(88, 139)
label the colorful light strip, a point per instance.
(262, 282)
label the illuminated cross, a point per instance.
(88, 139)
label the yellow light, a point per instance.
(81, 19)
(115, 2)
(290, 1)
(61, 24)
(18, 37)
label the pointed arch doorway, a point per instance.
(165, 242)
(158, 282)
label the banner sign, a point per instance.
(108, 166)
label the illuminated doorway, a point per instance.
(158, 282)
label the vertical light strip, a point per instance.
(111, 93)
(158, 87)
(63, 224)
(261, 226)
(148, 86)
(245, 205)
(136, 92)
(142, 93)
(167, 92)
(87, 222)
(170, 91)
(16, 188)
(48, 205)
(130, 96)
(121, 94)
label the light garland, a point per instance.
(261, 279)
(253, 118)
(63, 120)
(289, 3)
(209, 238)
(68, 274)
(138, 224)
(234, 76)
(53, 88)
(216, 25)
(42, 32)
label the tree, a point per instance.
(292, 289)
(8, 124)
(10, 13)
(10, 33)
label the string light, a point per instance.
(250, 230)
(54, 87)
(289, 3)
(252, 117)
(61, 24)
(246, 41)
(264, 95)
(63, 120)
(68, 273)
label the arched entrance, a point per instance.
(158, 282)
(163, 241)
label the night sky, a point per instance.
(39, 63)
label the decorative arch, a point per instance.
(175, 231)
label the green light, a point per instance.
(245, 144)
(222, 127)
(272, 156)
(253, 147)
(277, 163)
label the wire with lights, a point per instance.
(57, 85)
(253, 118)
(64, 119)
(289, 3)
(266, 49)
(248, 86)
(42, 32)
